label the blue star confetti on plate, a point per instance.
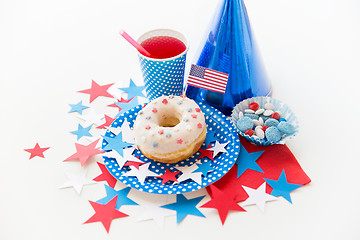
(281, 187)
(205, 168)
(116, 143)
(247, 161)
(122, 198)
(184, 207)
(210, 137)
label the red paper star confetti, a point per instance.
(135, 164)
(105, 176)
(37, 151)
(222, 202)
(232, 186)
(169, 176)
(122, 100)
(83, 153)
(96, 90)
(206, 153)
(105, 213)
(108, 122)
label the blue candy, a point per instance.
(252, 116)
(271, 122)
(273, 134)
(265, 118)
(282, 120)
(244, 123)
(286, 128)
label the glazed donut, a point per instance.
(170, 129)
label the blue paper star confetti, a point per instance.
(184, 207)
(281, 187)
(247, 160)
(210, 137)
(77, 107)
(122, 198)
(116, 143)
(126, 106)
(205, 168)
(82, 132)
(133, 90)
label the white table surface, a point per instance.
(51, 49)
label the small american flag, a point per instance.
(208, 79)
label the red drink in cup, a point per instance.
(163, 46)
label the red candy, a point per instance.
(144, 105)
(164, 101)
(249, 132)
(154, 110)
(199, 125)
(275, 115)
(264, 128)
(193, 115)
(197, 109)
(147, 127)
(254, 106)
(161, 132)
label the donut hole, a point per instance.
(169, 121)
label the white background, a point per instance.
(51, 49)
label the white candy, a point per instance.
(260, 133)
(258, 127)
(256, 122)
(269, 106)
(268, 112)
(241, 114)
(261, 121)
(249, 111)
(259, 111)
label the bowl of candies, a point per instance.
(264, 121)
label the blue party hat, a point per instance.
(229, 47)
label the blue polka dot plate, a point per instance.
(199, 172)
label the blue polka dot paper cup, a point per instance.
(163, 76)
(281, 130)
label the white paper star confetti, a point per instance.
(219, 148)
(128, 154)
(116, 91)
(77, 180)
(92, 117)
(258, 196)
(114, 130)
(142, 173)
(188, 173)
(119, 159)
(155, 212)
(127, 132)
